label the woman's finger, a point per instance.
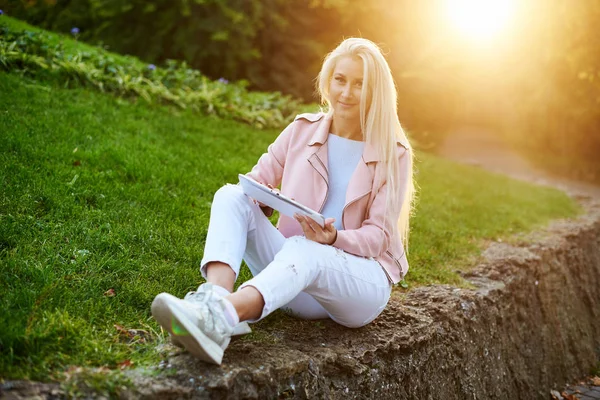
(310, 223)
(305, 226)
(273, 188)
(314, 225)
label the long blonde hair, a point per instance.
(378, 119)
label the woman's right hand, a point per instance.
(268, 211)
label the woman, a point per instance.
(354, 165)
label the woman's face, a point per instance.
(345, 88)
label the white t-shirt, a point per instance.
(343, 156)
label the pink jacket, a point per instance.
(298, 161)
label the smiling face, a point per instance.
(345, 88)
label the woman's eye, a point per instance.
(339, 79)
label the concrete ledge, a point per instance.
(531, 324)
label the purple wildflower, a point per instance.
(1, 12)
(151, 67)
(223, 80)
(74, 31)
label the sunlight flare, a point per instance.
(480, 19)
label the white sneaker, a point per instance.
(198, 297)
(201, 326)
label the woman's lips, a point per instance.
(345, 104)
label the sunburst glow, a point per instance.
(480, 19)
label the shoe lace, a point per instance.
(208, 308)
(195, 297)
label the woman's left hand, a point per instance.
(314, 232)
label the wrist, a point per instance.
(334, 238)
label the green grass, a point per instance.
(462, 208)
(100, 193)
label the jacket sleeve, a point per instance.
(269, 168)
(376, 232)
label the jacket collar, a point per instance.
(322, 123)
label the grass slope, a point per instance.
(70, 46)
(100, 194)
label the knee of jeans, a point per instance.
(229, 192)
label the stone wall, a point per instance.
(531, 323)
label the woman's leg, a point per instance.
(205, 322)
(249, 303)
(237, 229)
(352, 290)
(220, 274)
(233, 217)
(305, 306)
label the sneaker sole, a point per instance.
(167, 313)
(240, 329)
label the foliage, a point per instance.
(36, 54)
(191, 30)
(274, 44)
(538, 84)
(105, 203)
(555, 92)
(216, 36)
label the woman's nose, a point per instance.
(347, 92)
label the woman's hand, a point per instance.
(268, 211)
(314, 232)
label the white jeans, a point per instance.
(305, 278)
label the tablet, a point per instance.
(276, 200)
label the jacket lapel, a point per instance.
(318, 159)
(361, 182)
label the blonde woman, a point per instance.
(354, 165)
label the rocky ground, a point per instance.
(480, 148)
(585, 389)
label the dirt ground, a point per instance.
(482, 148)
